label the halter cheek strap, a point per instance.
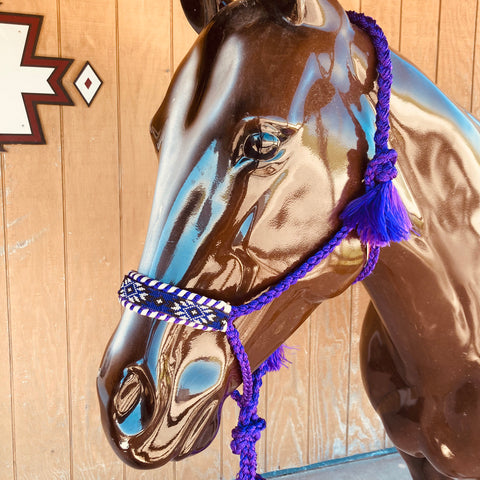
(378, 217)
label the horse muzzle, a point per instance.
(166, 404)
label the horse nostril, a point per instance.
(134, 402)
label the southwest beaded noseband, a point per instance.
(379, 217)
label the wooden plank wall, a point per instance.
(74, 218)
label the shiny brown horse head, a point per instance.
(263, 138)
(254, 171)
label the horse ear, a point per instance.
(293, 10)
(200, 12)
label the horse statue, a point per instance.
(263, 138)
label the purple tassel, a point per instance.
(277, 359)
(379, 216)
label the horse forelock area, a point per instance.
(268, 55)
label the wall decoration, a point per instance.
(88, 83)
(27, 80)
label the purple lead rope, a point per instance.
(378, 217)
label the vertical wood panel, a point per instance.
(365, 430)
(92, 227)
(351, 5)
(456, 50)
(34, 244)
(230, 462)
(6, 428)
(388, 16)
(287, 406)
(419, 36)
(36, 279)
(144, 74)
(329, 353)
(476, 65)
(183, 34)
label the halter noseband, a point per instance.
(378, 217)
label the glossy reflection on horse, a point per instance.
(263, 139)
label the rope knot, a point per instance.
(381, 168)
(245, 435)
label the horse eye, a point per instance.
(261, 146)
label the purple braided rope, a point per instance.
(242, 357)
(370, 265)
(381, 168)
(379, 216)
(249, 428)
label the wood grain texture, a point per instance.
(287, 407)
(37, 320)
(351, 4)
(183, 35)
(34, 245)
(329, 354)
(388, 16)
(163, 473)
(388, 442)
(365, 430)
(419, 35)
(91, 183)
(144, 75)
(6, 393)
(475, 108)
(456, 50)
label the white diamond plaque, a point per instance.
(88, 83)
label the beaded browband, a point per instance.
(378, 217)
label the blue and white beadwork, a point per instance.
(154, 299)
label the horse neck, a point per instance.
(425, 289)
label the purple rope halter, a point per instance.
(378, 216)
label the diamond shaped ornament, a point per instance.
(88, 83)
